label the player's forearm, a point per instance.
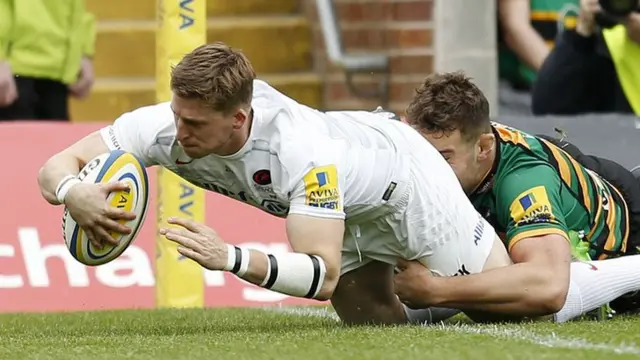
(53, 172)
(257, 269)
(521, 289)
(69, 162)
(294, 274)
(528, 45)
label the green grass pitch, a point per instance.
(299, 333)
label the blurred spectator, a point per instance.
(595, 68)
(45, 55)
(527, 30)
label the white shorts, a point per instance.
(434, 223)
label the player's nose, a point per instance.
(182, 131)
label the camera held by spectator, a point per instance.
(594, 68)
(615, 12)
(619, 8)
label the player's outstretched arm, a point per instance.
(133, 132)
(535, 285)
(85, 202)
(528, 205)
(68, 162)
(315, 229)
(311, 271)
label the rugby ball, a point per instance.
(110, 167)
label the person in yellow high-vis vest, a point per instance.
(592, 69)
(45, 55)
(623, 42)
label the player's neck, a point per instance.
(485, 168)
(239, 138)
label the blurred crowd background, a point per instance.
(91, 60)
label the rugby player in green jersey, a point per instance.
(550, 208)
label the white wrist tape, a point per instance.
(296, 274)
(237, 260)
(65, 185)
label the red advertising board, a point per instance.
(37, 273)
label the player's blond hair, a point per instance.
(219, 76)
(450, 101)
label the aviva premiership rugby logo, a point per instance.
(532, 207)
(321, 188)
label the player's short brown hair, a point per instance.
(219, 76)
(447, 102)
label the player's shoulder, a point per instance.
(296, 155)
(518, 148)
(263, 88)
(277, 129)
(266, 97)
(511, 185)
(280, 120)
(513, 136)
(526, 172)
(150, 122)
(148, 112)
(157, 116)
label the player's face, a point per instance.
(202, 131)
(461, 154)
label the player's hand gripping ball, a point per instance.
(121, 180)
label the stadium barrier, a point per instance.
(612, 136)
(38, 274)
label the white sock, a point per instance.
(596, 283)
(429, 315)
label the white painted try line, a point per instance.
(496, 331)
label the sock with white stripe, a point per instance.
(596, 283)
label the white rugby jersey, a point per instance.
(297, 159)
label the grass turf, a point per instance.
(306, 334)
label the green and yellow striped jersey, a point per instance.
(536, 188)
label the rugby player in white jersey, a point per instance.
(358, 191)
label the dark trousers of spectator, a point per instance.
(38, 99)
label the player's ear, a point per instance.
(486, 141)
(241, 116)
